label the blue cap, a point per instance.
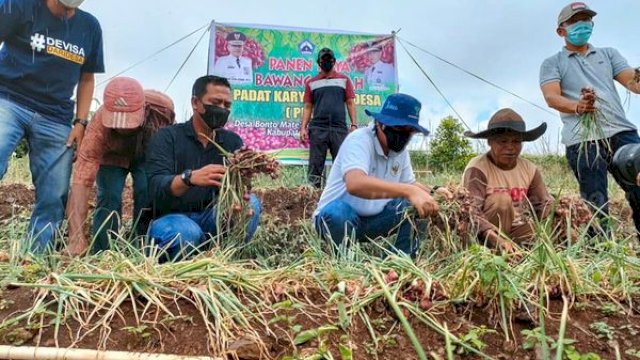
(400, 110)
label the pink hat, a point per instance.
(123, 104)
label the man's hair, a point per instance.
(200, 86)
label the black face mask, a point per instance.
(215, 116)
(326, 65)
(396, 140)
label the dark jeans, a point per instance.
(590, 168)
(338, 219)
(110, 182)
(181, 235)
(321, 140)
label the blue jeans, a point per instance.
(338, 219)
(50, 162)
(184, 234)
(110, 182)
(590, 168)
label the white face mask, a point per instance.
(71, 3)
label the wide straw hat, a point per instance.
(507, 120)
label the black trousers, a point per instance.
(322, 139)
(590, 166)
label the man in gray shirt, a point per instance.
(563, 76)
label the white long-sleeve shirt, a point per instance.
(238, 70)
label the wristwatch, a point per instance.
(186, 177)
(82, 122)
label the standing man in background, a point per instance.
(48, 47)
(324, 117)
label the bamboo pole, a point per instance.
(51, 353)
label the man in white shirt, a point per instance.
(236, 68)
(372, 183)
(380, 74)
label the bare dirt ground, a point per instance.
(285, 204)
(188, 335)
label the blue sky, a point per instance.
(502, 41)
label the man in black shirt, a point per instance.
(185, 170)
(324, 117)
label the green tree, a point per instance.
(449, 149)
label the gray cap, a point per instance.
(574, 8)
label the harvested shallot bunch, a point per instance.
(234, 210)
(455, 213)
(571, 213)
